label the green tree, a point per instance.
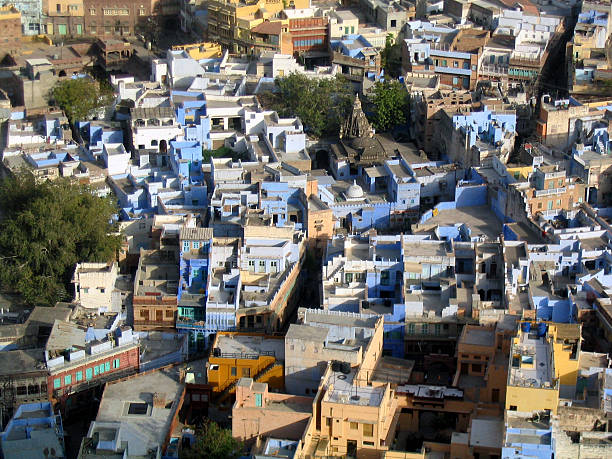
(321, 104)
(213, 442)
(391, 57)
(79, 96)
(46, 228)
(391, 101)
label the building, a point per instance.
(258, 413)
(543, 366)
(10, 24)
(32, 19)
(230, 21)
(23, 371)
(425, 114)
(137, 417)
(195, 248)
(33, 430)
(323, 336)
(550, 192)
(63, 18)
(156, 289)
(94, 285)
(239, 355)
(90, 361)
(126, 19)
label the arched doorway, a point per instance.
(163, 146)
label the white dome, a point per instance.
(354, 191)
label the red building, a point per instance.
(104, 362)
(309, 34)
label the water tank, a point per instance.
(216, 352)
(336, 365)
(345, 368)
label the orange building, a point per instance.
(10, 24)
(245, 355)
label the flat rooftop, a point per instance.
(237, 344)
(342, 390)
(531, 366)
(480, 219)
(478, 337)
(318, 316)
(128, 405)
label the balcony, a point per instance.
(549, 192)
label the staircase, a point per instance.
(229, 390)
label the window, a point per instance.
(233, 371)
(88, 374)
(79, 376)
(61, 29)
(101, 368)
(58, 7)
(476, 367)
(550, 205)
(246, 372)
(92, 11)
(68, 380)
(368, 443)
(274, 265)
(185, 246)
(444, 63)
(107, 366)
(57, 383)
(196, 244)
(354, 425)
(258, 401)
(437, 330)
(411, 329)
(368, 430)
(513, 408)
(85, 290)
(455, 64)
(169, 314)
(73, 7)
(96, 370)
(384, 277)
(455, 81)
(539, 205)
(328, 422)
(348, 277)
(102, 289)
(251, 265)
(393, 23)
(424, 329)
(116, 363)
(138, 409)
(141, 12)
(558, 203)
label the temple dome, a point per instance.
(354, 191)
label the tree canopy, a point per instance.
(79, 96)
(320, 103)
(391, 101)
(213, 442)
(391, 57)
(45, 229)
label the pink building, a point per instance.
(258, 412)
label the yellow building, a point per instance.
(544, 360)
(203, 50)
(245, 355)
(230, 21)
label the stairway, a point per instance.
(229, 390)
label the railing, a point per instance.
(539, 193)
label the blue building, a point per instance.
(195, 248)
(34, 428)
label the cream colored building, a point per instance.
(94, 284)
